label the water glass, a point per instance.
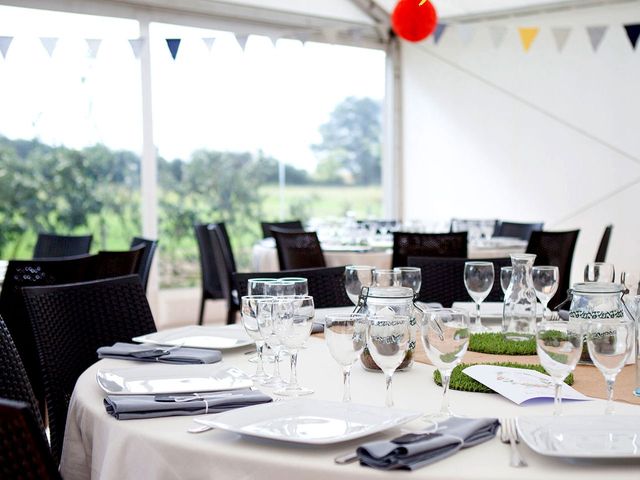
(249, 314)
(445, 336)
(388, 339)
(258, 286)
(559, 346)
(292, 322)
(609, 342)
(545, 282)
(266, 324)
(384, 278)
(599, 272)
(410, 277)
(280, 288)
(505, 278)
(356, 277)
(300, 285)
(346, 337)
(478, 278)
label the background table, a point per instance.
(99, 446)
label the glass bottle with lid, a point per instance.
(519, 313)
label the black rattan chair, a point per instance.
(211, 287)
(50, 245)
(601, 254)
(225, 267)
(517, 230)
(298, 249)
(146, 258)
(24, 453)
(555, 248)
(326, 285)
(290, 225)
(70, 322)
(443, 279)
(109, 264)
(407, 245)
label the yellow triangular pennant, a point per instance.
(527, 36)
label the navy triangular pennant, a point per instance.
(633, 32)
(440, 28)
(173, 44)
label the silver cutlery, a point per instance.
(509, 434)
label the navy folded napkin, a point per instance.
(129, 407)
(416, 450)
(156, 353)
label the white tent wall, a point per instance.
(529, 136)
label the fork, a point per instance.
(508, 434)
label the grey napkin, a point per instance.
(156, 353)
(128, 407)
(413, 451)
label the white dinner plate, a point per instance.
(603, 436)
(218, 337)
(162, 378)
(308, 421)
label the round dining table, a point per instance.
(98, 446)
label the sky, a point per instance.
(269, 98)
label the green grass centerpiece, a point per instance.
(497, 344)
(463, 382)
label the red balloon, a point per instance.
(412, 21)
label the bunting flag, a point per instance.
(209, 41)
(242, 38)
(633, 32)
(527, 36)
(465, 32)
(136, 46)
(94, 45)
(440, 28)
(596, 34)
(560, 36)
(4, 45)
(49, 44)
(304, 37)
(497, 33)
(330, 35)
(173, 44)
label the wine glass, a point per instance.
(356, 277)
(545, 282)
(609, 342)
(249, 314)
(445, 336)
(385, 278)
(266, 324)
(505, 278)
(599, 272)
(280, 288)
(559, 346)
(478, 278)
(346, 336)
(410, 277)
(300, 285)
(388, 340)
(292, 322)
(258, 286)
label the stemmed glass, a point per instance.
(445, 346)
(249, 313)
(266, 325)
(505, 278)
(559, 346)
(599, 272)
(258, 286)
(388, 340)
(478, 278)
(300, 285)
(356, 277)
(292, 322)
(346, 336)
(609, 342)
(410, 277)
(384, 278)
(545, 282)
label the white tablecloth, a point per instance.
(265, 257)
(101, 447)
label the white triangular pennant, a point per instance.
(596, 34)
(49, 44)
(497, 33)
(5, 42)
(560, 35)
(94, 46)
(465, 32)
(242, 38)
(136, 46)
(209, 41)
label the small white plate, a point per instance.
(603, 436)
(195, 336)
(163, 378)
(309, 421)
